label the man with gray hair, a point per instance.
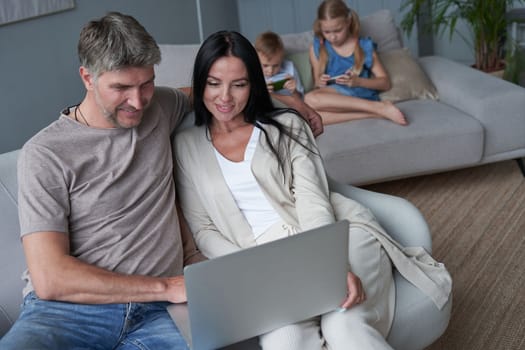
(104, 244)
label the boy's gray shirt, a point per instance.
(111, 190)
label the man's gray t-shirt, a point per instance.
(110, 190)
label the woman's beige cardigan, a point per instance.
(300, 196)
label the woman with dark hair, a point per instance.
(259, 107)
(249, 173)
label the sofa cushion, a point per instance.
(380, 26)
(301, 60)
(438, 137)
(297, 42)
(409, 81)
(176, 68)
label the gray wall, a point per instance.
(39, 65)
(39, 68)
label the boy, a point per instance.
(284, 83)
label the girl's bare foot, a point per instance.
(391, 112)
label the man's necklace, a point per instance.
(81, 114)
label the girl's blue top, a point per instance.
(338, 65)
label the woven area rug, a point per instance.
(477, 220)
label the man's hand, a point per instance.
(176, 289)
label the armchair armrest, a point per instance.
(405, 223)
(400, 218)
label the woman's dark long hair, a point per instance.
(259, 108)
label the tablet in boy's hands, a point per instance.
(279, 84)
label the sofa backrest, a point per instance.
(175, 69)
(12, 262)
(380, 26)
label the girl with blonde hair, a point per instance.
(347, 71)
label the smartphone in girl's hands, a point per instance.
(332, 80)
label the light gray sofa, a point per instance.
(471, 118)
(350, 157)
(417, 321)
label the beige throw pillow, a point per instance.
(409, 81)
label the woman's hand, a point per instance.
(356, 293)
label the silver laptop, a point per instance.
(248, 293)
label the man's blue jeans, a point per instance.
(57, 325)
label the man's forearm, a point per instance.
(83, 283)
(58, 276)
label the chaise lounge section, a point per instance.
(458, 116)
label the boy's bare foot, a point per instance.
(391, 112)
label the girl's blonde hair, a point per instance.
(330, 9)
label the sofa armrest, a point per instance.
(486, 98)
(8, 180)
(470, 90)
(12, 261)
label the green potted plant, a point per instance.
(486, 20)
(514, 64)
